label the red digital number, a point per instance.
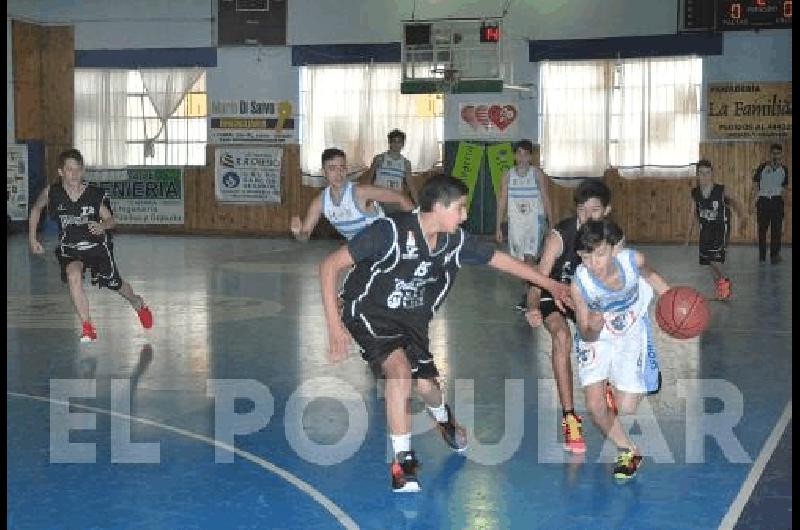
(761, 3)
(787, 8)
(736, 11)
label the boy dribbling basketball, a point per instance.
(614, 338)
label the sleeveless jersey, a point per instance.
(524, 197)
(391, 172)
(714, 216)
(627, 333)
(565, 265)
(526, 219)
(73, 217)
(408, 284)
(621, 307)
(347, 217)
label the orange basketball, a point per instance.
(682, 312)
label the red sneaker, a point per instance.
(145, 316)
(723, 288)
(573, 433)
(89, 334)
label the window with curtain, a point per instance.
(639, 115)
(353, 107)
(146, 117)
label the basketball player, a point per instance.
(348, 206)
(711, 206)
(559, 260)
(84, 216)
(523, 193)
(614, 338)
(391, 169)
(405, 264)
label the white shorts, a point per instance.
(525, 235)
(618, 354)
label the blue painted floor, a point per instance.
(239, 346)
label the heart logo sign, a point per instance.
(503, 116)
(488, 117)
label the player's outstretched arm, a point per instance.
(506, 263)
(329, 269)
(658, 283)
(368, 192)
(33, 220)
(544, 186)
(301, 230)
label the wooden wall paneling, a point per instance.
(27, 72)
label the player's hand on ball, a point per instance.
(36, 247)
(339, 339)
(534, 317)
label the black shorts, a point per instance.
(99, 259)
(378, 340)
(708, 255)
(547, 306)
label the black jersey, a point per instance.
(407, 282)
(73, 217)
(565, 265)
(714, 216)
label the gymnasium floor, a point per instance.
(246, 312)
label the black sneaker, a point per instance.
(404, 473)
(453, 434)
(628, 463)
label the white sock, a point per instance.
(439, 413)
(401, 442)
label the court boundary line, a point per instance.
(738, 504)
(340, 515)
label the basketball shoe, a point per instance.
(723, 288)
(628, 463)
(453, 434)
(573, 433)
(89, 334)
(404, 472)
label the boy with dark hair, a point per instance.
(559, 260)
(348, 206)
(391, 169)
(612, 289)
(84, 216)
(769, 191)
(405, 264)
(524, 196)
(711, 206)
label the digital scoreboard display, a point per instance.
(754, 14)
(731, 15)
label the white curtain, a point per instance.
(166, 88)
(353, 107)
(574, 140)
(659, 117)
(101, 117)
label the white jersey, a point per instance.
(624, 350)
(391, 172)
(347, 217)
(526, 216)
